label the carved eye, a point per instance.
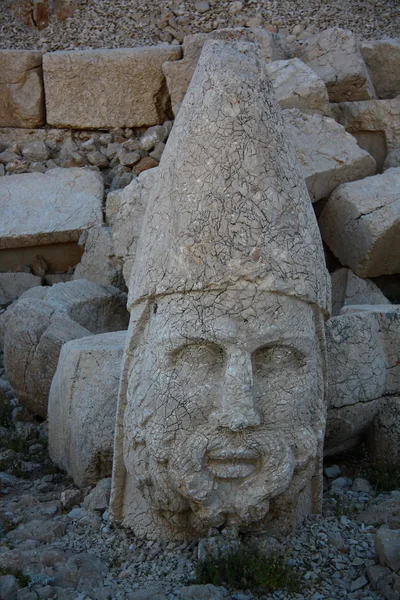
(205, 357)
(277, 358)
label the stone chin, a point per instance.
(229, 479)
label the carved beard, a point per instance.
(225, 478)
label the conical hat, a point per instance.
(230, 207)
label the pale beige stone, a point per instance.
(48, 208)
(327, 154)
(38, 327)
(296, 85)
(21, 89)
(179, 73)
(382, 58)
(334, 54)
(221, 409)
(374, 117)
(12, 285)
(361, 224)
(122, 87)
(348, 288)
(83, 405)
(124, 211)
(99, 262)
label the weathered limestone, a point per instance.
(392, 159)
(99, 263)
(374, 123)
(296, 85)
(384, 436)
(363, 373)
(347, 288)
(335, 56)
(361, 224)
(124, 211)
(59, 205)
(179, 73)
(221, 411)
(12, 285)
(83, 405)
(38, 327)
(21, 89)
(328, 156)
(382, 58)
(123, 87)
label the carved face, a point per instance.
(224, 403)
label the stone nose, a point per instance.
(237, 410)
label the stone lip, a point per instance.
(57, 207)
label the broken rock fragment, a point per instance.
(361, 224)
(327, 154)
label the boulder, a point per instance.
(392, 160)
(387, 546)
(98, 262)
(122, 87)
(47, 209)
(296, 85)
(384, 438)
(21, 89)
(361, 224)
(334, 54)
(382, 58)
(124, 211)
(374, 123)
(348, 288)
(328, 156)
(99, 497)
(12, 285)
(179, 73)
(82, 406)
(37, 328)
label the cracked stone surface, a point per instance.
(228, 266)
(336, 57)
(361, 223)
(127, 83)
(327, 154)
(37, 328)
(21, 89)
(179, 73)
(83, 404)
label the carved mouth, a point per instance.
(232, 464)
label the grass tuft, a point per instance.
(248, 568)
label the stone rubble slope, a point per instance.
(128, 23)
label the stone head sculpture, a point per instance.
(221, 411)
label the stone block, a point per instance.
(82, 406)
(179, 73)
(361, 224)
(392, 160)
(296, 85)
(37, 328)
(124, 211)
(382, 58)
(384, 438)
(122, 87)
(334, 54)
(387, 546)
(327, 155)
(348, 288)
(98, 262)
(378, 118)
(21, 89)
(54, 207)
(12, 285)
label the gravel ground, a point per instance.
(127, 23)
